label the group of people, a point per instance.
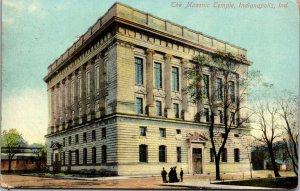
(172, 175)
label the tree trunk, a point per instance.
(275, 169)
(9, 164)
(218, 177)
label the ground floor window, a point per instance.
(143, 151)
(178, 149)
(162, 153)
(224, 155)
(70, 158)
(236, 155)
(104, 154)
(77, 156)
(94, 155)
(84, 156)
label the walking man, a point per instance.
(181, 175)
(164, 175)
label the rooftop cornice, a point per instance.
(127, 13)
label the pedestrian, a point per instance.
(181, 175)
(175, 175)
(164, 175)
(171, 175)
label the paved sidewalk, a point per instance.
(208, 186)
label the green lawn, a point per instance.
(284, 182)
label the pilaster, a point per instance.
(149, 84)
(186, 115)
(167, 83)
(91, 115)
(83, 93)
(76, 100)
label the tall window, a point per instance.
(232, 91)
(224, 155)
(175, 79)
(139, 105)
(221, 116)
(236, 155)
(94, 156)
(70, 140)
(104, 154)
(143, 151)
(143, 131)
(76, 139)
(87, 82)
(206, 85)
(162, 132)
(206, 114)
(158, 75)
(212, 156)
(64, 142)
(103, 133)
(84, 155)
(97, 72)
(77, 156)
(158, 108)
(70, 157)
(94, 135)
(219, 89)
(63, 158)
(138, 71)
(176, 109)
(84, 137)
(162, 153)
(178, 149)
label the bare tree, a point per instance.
(267, 124)
(227, 100)
(288, 111)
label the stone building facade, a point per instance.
(116, 99)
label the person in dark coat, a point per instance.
(164, 175)
(175, 175)
(171, 175)
(181, 175)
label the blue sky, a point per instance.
(36, 32)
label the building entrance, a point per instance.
(197, 161)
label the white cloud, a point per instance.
(27, 112)
(15, 6)
(32, 8)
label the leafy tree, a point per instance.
(220, 98)
(11, 139)
(40, 156)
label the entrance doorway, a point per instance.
(197, 161)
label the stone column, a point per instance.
(76, 100)
(168, 90)
(101, 91)
(92, 90)
(83, 93)
(149, 85)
